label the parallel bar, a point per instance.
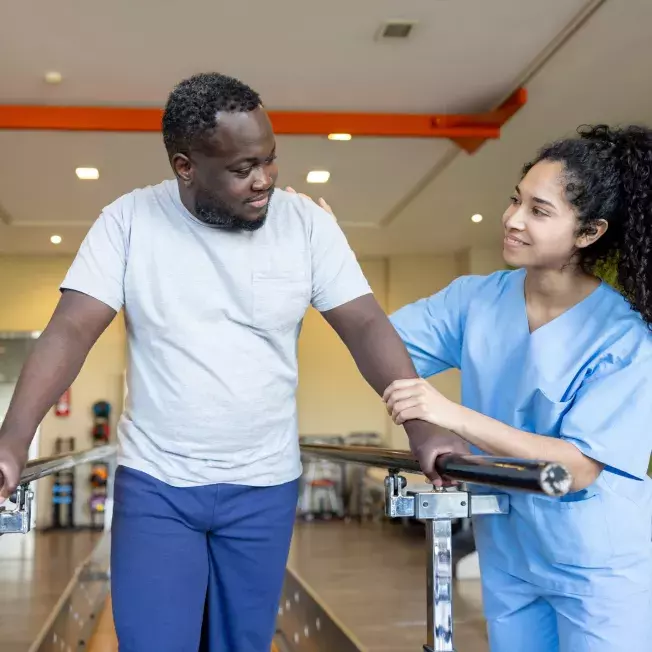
(535, 476)
(44, 466)
(531, 475)
(396, 460)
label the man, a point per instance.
(215, 271)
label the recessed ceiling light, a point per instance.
(339, 136)
(87, 173)
(318, 176)
(53, 77)
(476, 218)
(56, 239)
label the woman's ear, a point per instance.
(591, 233)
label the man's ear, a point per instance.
(183, 168)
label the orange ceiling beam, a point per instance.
(468, 131)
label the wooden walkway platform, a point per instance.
(35, 569)
(371, 577)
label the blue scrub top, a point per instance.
(585, 377)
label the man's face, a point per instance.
(231, 178)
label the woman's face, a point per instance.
(540, 225)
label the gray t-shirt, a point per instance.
(213, 319)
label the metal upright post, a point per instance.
(18, 518)
(438, 509)
(439, 582)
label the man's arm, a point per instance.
(372, 340)
(50, 369)
(381, 357)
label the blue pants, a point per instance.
(178, 554)
(525, 618)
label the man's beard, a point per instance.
(213, 211)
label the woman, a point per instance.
(556, 365)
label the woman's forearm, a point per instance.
(496, 438)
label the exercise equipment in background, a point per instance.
(63, 488)
(334, 489)
(99, 470)
(322, 484)
(357, 501)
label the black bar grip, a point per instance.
(535, 476)
(550, 478)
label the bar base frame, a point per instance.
(438, 509)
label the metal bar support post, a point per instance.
(17, 519)
(438, 509)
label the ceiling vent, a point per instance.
(396, 29)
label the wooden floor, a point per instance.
(372, 577)
(35, 569)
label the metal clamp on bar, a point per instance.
(19, 518)
(397, 504)
(438, 509)
(439, 505)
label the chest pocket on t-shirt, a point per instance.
(281, 288)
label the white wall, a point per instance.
(332, 397)
(6, 390)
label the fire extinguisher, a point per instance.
(62, 408)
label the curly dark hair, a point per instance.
(191, 109)
(608, 176)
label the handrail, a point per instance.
(44, 466)
(550, 478)
(537, 476)
(18, 519)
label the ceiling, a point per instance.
(392, 195)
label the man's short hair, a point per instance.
(191, 110)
